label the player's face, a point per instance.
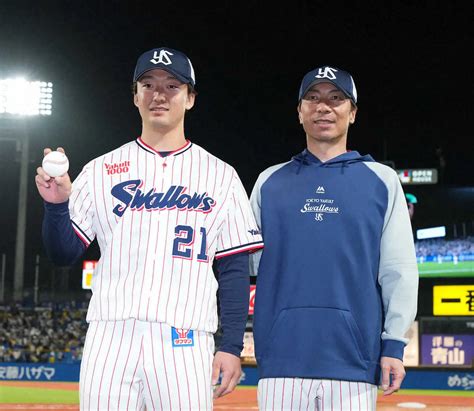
(326, 113)
(162, 100)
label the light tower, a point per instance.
(20, 100)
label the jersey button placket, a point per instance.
(167, 168)
(164, 165)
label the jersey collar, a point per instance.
(150, 149)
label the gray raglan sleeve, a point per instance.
(255, 203)
(398, 271)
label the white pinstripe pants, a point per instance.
(288, 394)
(131, 364)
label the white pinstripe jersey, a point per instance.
(160, 222)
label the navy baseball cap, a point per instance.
(327, 74)
(173, 61)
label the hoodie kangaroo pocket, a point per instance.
(328, 336)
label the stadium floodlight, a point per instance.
(26, 98)
(21, 99)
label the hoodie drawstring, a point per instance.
(344, 165)
(304, 161)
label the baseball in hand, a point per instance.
(55, 164)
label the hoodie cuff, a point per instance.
(231, 349)
(57, 209)
(393, 348)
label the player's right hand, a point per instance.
(53, 189)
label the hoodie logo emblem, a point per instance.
(319, 207)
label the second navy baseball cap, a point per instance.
(327, 74)
(173, 61)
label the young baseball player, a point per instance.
(162, 210)
(337, 280)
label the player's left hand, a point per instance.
(228, 366)
(395, 368)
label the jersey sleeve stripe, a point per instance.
(234, 250)
(82, 236)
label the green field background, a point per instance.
(461, 269)
(40, 395)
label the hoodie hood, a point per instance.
(306, 158)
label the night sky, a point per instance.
(410, 61)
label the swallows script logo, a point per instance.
(129, 194)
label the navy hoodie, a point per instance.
(337, 280)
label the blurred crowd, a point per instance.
(42, 335)
(441, 247)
